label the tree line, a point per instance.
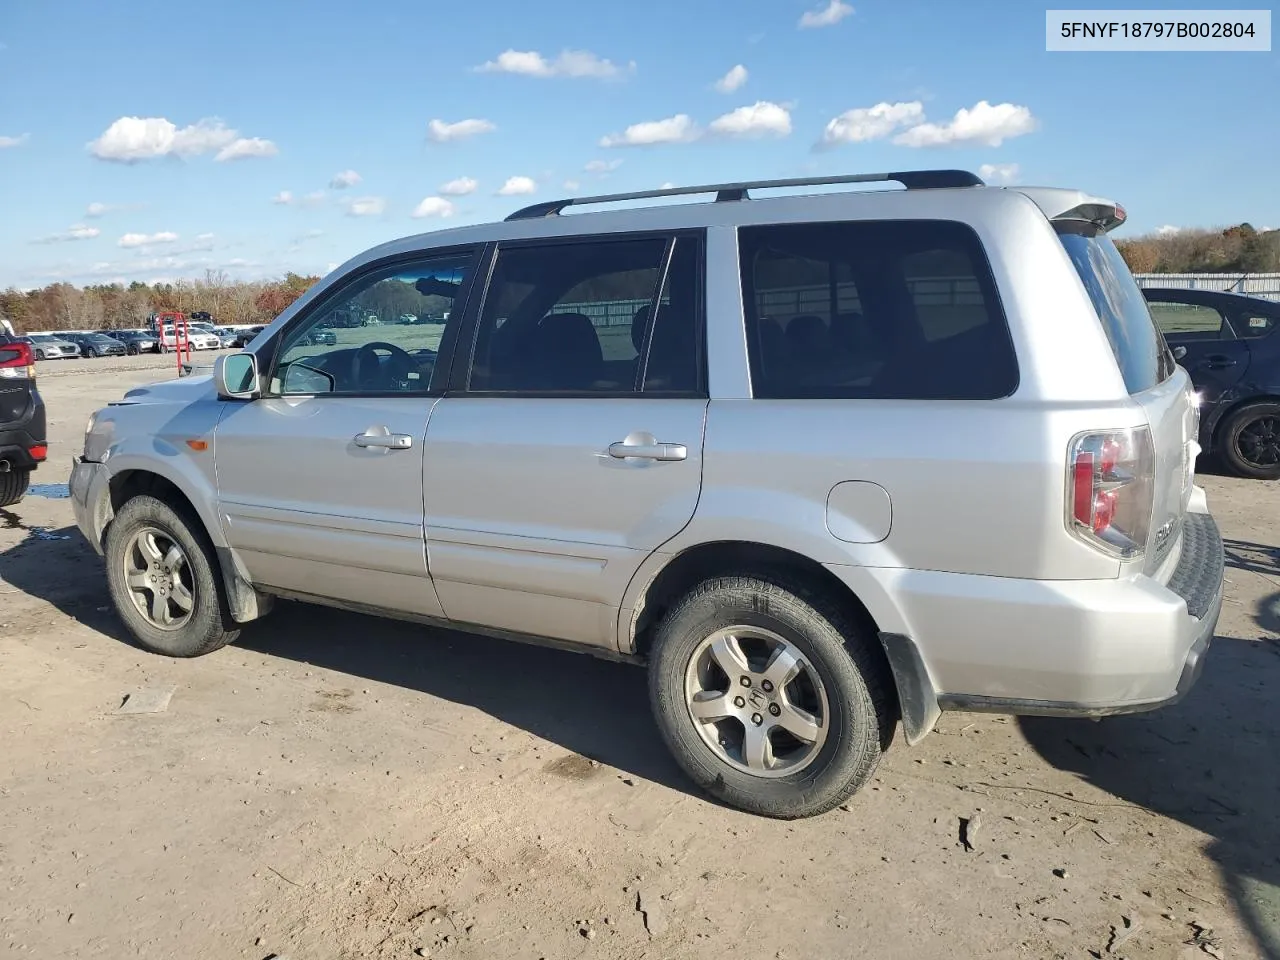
(1238, 249)
(114, 306)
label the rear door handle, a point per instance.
(385, 441)
(621, 450)
(1217, 361)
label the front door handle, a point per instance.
(384, 439)
(654, 450)
(1218, 361)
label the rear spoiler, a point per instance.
(1073, 206)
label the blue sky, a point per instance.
(238, 107)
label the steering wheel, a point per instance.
(365, 363)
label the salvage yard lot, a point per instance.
(337, 786)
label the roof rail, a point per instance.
(911, 179)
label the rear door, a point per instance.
(1202, 342)
(569, 446)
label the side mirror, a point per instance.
(236, 376)
(1179, 352)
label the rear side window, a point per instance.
(1253, 325)
(1140, 350)
(874, 310)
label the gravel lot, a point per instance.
(336, 786)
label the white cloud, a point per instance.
(6, 142)
(433, 207)
(441, 132)
(130, 139)
(347, 178)
(667, 186)
(677, 129)
(828, 16)
(871, 123)
(761, 119)
(982, 123)
(459, 187)
(284, 198)
(75, 232)
(96, 209)
(147, 239)
(244, 147)
(287, 198)
(570, 63)
(602, 166)
(1168, 230)
(732, 80)
(515, 186)
(313, 198)
(366, 206)
(572, 185)
(998, 172)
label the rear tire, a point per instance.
(743, 750)
(1250, 441)
(164, 580)
(39, 354)
(13, 486)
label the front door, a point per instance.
(320, 480)
(569, 446)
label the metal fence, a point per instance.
(1265, 285)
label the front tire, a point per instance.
(770, 696)
(1251, 441)
(13, 486)
(39, 354)
(164, 580)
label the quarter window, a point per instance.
(874, 310)
(380, 334)
(575, 318)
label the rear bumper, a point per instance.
(17, 438)
(1064, 648)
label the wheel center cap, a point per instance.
(757, 699)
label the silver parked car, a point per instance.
(47, 347)
(823, 463)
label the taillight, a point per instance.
(1111, 489)
(17, 362)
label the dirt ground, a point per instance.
(340, 787)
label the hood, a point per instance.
(181, 390)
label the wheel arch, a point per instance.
(916, 701)
(245, 602)
(1234, 406)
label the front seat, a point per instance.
(565, 353)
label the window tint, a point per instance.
(381, 334)
(874, 310)
(1187, 321)
(574, 317)
(1139, 348)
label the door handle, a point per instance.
(1218, 361)
(385, 441)
(648, 451)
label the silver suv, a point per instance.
(822, 462)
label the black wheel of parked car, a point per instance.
(13, 486)
(770, 695)
(39, 354)
(131, 350)
(164, 580)
(94, 353)
(1250, 441)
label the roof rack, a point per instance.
(726, 192)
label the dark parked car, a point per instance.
(245, 337)
(22, 425)
(96, 344)
(135, 342)
(1228, 343)
(322, 337)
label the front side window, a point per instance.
(575, 318)
(1188, 321)
(380, 334)
(873, 309)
